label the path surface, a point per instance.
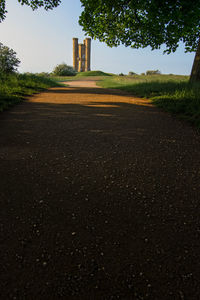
(82, 83)
(99, 199)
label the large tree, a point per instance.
(34, 4)
(142, 23)
(138, 23)
(8, 60)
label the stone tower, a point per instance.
(87, 54)
(81, 65)
(82, 55)
(75, 53)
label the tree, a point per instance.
(34, 4)
(131, 73)
(142, 23)
(8, 60)
(64, 70)
(153, 72)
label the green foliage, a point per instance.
(153, 72)
(43, 74)
(143, 23)
(15, 87)
(8, 60)
(135, 23)
(172, 93)
(34, 4)
(64, 70)
(3, 10)
(184, 101)
(131, 73)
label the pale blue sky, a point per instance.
(44, 39)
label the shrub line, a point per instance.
(16, 87)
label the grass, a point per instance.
(172, 93)
(16, 87)
(93, 73)
(80, 75)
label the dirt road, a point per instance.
(82, 83)
(99, 198)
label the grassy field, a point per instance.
(14, 88)
(172, 93)
(96, 74)
(93, 73)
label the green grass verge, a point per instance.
(93, 73)
(172, 93)
(16, 87)
(81, 75)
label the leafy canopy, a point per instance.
(8, 60)
(34, 4)
(64, 70)
(142, 23)
(135, 23)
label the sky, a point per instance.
(43, 39)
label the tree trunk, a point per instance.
(195, 73)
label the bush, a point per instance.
(8, 60)
(131, 73)
(16, 87)
(153, 72)
(121, 74)
(64, 70)
(43, 74)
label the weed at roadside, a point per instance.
(15, 87)
(172, 93)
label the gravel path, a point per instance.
(99, 199)
(82, 83)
